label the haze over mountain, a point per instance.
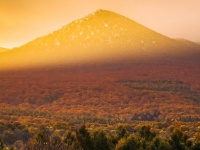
(99, 37)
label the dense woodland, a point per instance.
(42, 109)
(65, 136)
(103, 94)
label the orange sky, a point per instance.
(24, 20)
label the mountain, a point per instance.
(3, 49)
(99, 37)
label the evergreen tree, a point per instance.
(146, 133)
(121, 132)
(196, 146)
(159, 144)
(130, 143)
(84, 138)
(1, 145)
(100, 140)
(178, 140)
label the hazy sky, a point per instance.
(24, 20)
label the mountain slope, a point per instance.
(98, 37)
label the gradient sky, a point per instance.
(24, 20)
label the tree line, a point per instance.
(98, 139)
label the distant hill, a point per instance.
(191, 44)
(99, 37)
(3, 49)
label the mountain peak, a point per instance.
(102, 11)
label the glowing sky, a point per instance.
(23, 20)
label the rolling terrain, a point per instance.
(143, 91)
(102, 68)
